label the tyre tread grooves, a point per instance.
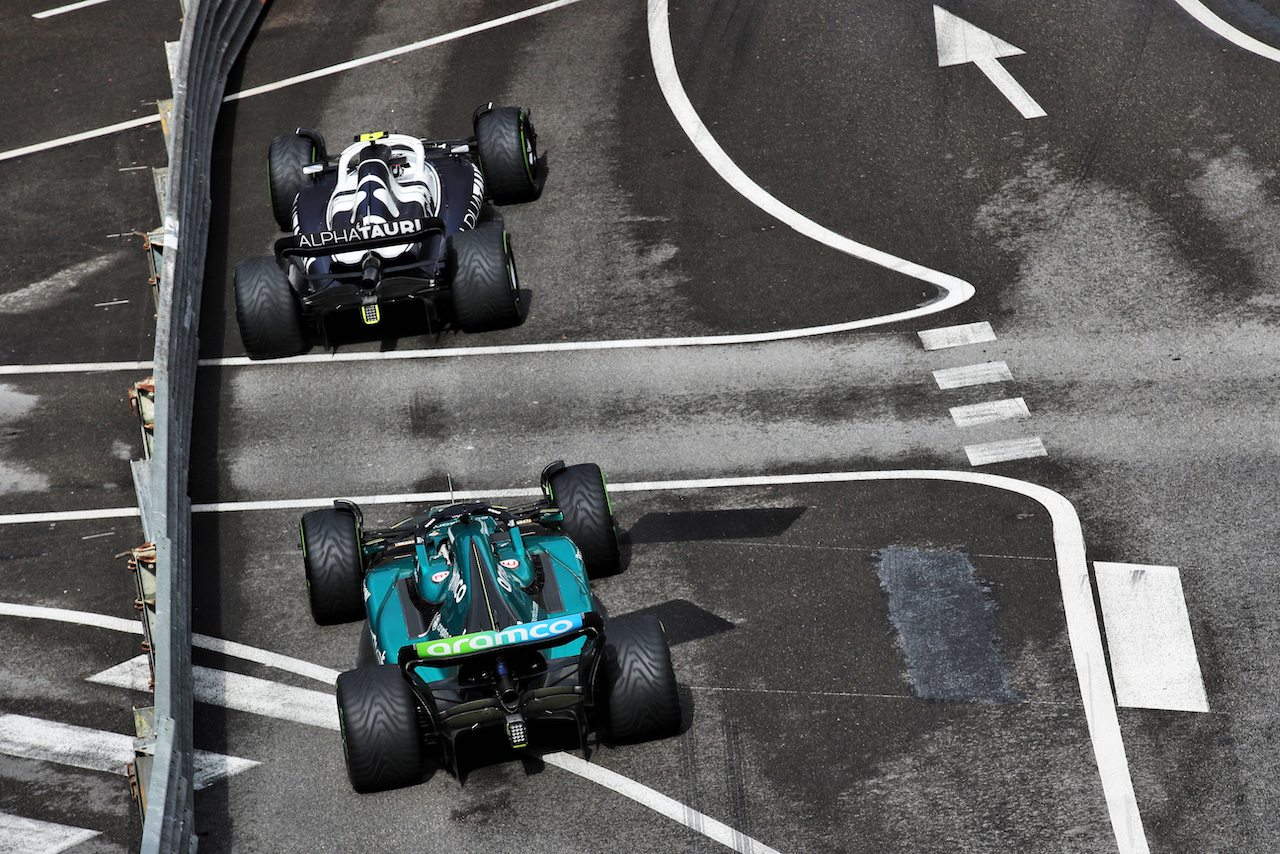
(644, 702)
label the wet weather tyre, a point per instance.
(379, 721)
(580, 493)
(286, 159)
(486, 290)
(644, 702)
(333, 560)
(508, 151)
(267, 311)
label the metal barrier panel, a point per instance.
(213, 33)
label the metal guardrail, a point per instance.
(213, 33)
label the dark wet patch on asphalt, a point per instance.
(945, 618)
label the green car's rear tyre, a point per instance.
(508, 149)
(580, 493)
(267, 311)
(286, 159)
(486, 290)
(334, 564)
(378, 715)
(644, 702)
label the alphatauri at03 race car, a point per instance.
(480, 620)
(391, 219)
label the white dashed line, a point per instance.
(957, 336)
(1153, 654)
(993, 410)
(987, 453)
(968, 375)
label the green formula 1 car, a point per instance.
(481, 620)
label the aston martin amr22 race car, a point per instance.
(481, 623)
(391, 219)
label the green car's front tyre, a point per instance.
(333, 560)
(643, 699)
(379, 721)
(267, 311)
(580, 494)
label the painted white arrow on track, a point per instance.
(960, 42)
(95, 749)
(236, 691)
(20, 835)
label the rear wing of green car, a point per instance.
(446, 652)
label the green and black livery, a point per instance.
(480, 621)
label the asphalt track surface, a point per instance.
(1119, 246)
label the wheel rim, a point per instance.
(512, 280)
(529, 156)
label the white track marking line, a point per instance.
(1153, 655)
(263, 697)
(70, 7)
(403, 498)
(267, 658)
(397, 51)
(80, 137)
(659, 803)
(582, 346)
(1197, 10)
(20, 835)
(75, 368)
(65, 744)
(495, 349)
(956, 290)
(1077, 601)
(134, 626)
(291, 81)
(68, 515)
(235, 691)
(314, 708)
(64, 615)
(946, 337)
(991, 410)
(968, 375)
(986, 453)
(96, 750)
